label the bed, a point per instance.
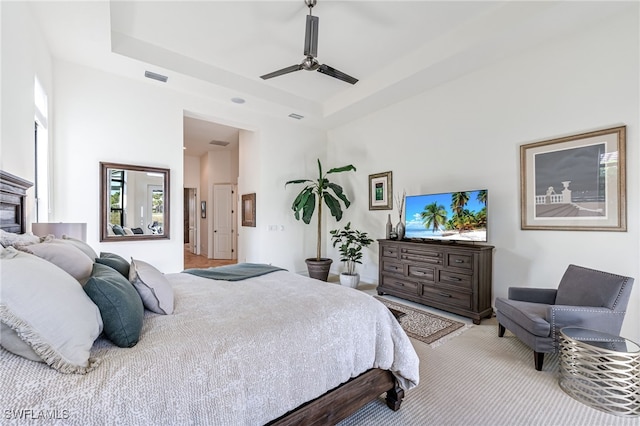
(274, 349)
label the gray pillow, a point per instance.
(120, 306)
(154, 288)
(48, 311)
(84, 247)
(10, 340)
(67, 257)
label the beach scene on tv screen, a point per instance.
(447, 216)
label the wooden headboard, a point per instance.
(13, 199)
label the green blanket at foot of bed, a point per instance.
(238, 272)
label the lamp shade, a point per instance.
(73, 230)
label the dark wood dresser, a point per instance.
(454, 277)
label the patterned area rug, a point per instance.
(421, 325)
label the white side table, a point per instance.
(600, 370)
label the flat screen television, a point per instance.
(448, 216)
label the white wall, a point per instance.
(191, 172)
(102, 117)
(466, 135)
(24, 55)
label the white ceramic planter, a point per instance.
(350, 280)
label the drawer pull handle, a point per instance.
(444, 294)
(454, 279)
(459, 261)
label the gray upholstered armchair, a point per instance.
(585, 298)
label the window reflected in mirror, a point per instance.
(134, 202)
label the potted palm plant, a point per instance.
(350, 242)
(315, 193)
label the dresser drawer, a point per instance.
(422, 273)
(392, 267)
(399, 285)
(460, 260)
(454, 278)
(451, 298)
(390, 252)
(423, 255)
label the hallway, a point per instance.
(197, 261)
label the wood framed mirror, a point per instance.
(134, 202)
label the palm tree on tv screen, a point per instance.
(458, 201)
(434, 216)
(482, 197)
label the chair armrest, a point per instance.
(595, 318)
(534, 295)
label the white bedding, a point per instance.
(232, 353)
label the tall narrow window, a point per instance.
(41, 136)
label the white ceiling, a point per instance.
(220, 48)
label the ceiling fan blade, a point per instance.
(326, 69)
(286, 70)
(311, 36)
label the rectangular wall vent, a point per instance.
(219, 143)
(153, 75)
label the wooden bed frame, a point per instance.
(330, 408)
(13, 198)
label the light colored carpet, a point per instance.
(421, 325)
(477, 378)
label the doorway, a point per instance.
(224, 214)
(190, 221)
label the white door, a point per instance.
(222, 222)
(192, 220)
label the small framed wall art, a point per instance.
(249, 210)
(575, 182)
(381, 191)
(203, 209)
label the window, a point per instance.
(41, 137)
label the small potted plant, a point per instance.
(350, 242)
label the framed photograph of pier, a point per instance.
(575, 182)
(380, 191)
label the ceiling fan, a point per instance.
(310, 63)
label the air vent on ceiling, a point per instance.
(153, 75)
(219, 143)
(296, 116)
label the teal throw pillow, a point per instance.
(119, 304)
(116, 262)
(117, 229)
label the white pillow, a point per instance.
(64, 255)
(152, 286)
(49, 311)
